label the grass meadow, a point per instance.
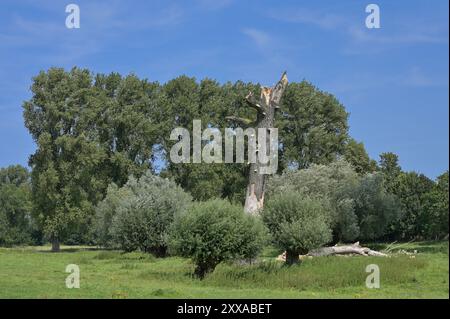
(35, 272)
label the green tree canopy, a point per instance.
(435, 209)
(412, 188)
(391, 169)
(312, 126)
(355, 153)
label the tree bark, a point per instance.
(55, 245)
(266, 106)
(292, 257)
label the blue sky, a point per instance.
(393, 81)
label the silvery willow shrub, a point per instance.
(215, 231)
(297, 223)
(141, 213)
(334, 184)
(104, 213)
(360, 207)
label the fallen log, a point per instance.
(354, 249)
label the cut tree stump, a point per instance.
(354, 249)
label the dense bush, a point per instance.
(375, 207)
(334, 184)
(215, 231)
(138, 216)
(359, 205)
(15, 207)
(104, 213)
(298, 223)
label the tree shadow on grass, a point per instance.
(71, 249)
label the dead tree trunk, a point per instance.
(265, 106)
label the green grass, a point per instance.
(34, 272)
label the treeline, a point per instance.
(96, 134)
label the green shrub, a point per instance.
(334, 183)
(359, 205)
(297, 223)
(138, 215)
(104, 213)
(215, 231)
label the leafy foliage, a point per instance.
(334, 184)
(93, 130)
(65, 176)
(15, 206)
(435, 209)
(297, 223)
(355, 153)
(89, 132)
(138, 215)
(412, 189)
(105, 212)
(359, 205)
(375, 207)
(391, 169)
(313, 126)
(215, 231)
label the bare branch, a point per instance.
(278, 90)
(251, 101)
(239, 120)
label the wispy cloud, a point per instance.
(322, 20)
(358, 82)
(361, 34)
(356, 37)
(101, 24)
(169, 16)
(260, 38)
(415, 77)
(270, 53)
(365, 41)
